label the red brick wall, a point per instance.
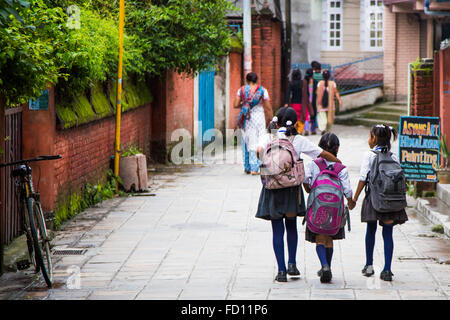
(266, 57)
(236, 81)
(444, 91)
(422, 94)
(86, 150)
(179, 103)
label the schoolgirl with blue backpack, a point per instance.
(384, 182)
(328, 185)
(281, 199)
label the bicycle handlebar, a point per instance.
(40, 158)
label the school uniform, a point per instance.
(312, 171)
(275, 203)
(368, 213)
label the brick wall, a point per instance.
(86, 149)
(266, 56)
(422, 94)
(401, 46)
(236, 81)
(442, 67)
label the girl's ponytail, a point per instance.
(384, 133)
(290, 128)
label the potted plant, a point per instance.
(133, 169)
(444, 170)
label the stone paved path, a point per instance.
(198, 239)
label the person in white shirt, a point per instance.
(282, 206)
(379, 139)
(324, 243)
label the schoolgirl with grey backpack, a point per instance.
(385, 195)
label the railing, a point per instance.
(12, 220)
(355, 75)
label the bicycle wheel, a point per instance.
(40, 242)
(44, 241)
(27, 228)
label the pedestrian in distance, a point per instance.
(294, 98)
(282, 206)
(317, 70)
(318, 181)
(252, 99)
(309, 98)
(385, 196)
(326, 94)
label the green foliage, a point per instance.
(8, 8)
(182, 35)
(100, 102)
(28, 51)
(89, 196)
(438, 228)
(411, 190)
(131, 150)
(419, 65)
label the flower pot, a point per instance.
(133, 172)
(443, 175)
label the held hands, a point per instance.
(351, 204)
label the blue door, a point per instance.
(206, 105)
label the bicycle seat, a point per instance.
(21, 171)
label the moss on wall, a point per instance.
(236, 44)
(66, 116)
(100, 102)
(81, 111)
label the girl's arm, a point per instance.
(328, 156)
(237, 102)
(359, 188)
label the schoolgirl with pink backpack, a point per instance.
(281, 199)
(328, 185)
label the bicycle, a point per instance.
(35, 229)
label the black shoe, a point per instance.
(386, 275)
(292, 270)
(323, 132)
(368, 271)
(325, 274)
(281, 276)
(247, 171)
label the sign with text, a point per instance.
(419, 147)
(40, 103)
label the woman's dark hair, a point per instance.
(330, 142)
(296, 74)
(284, 115)
(326, 76)
(316, 65)
(252, 77)
(309, 74)
(384, 133)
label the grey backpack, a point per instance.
(387, 184)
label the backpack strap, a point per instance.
(320, 162)
(338, 167)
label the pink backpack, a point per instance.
(326, 211)
(281, 167)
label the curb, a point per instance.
(435, 217)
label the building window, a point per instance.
(332, 36)
(372, 25)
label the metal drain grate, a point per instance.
(69, 252)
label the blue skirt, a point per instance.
(275, 203)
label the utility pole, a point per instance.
(247, 35)
(119, 91)
(288, 36)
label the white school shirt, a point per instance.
(312, 172)
(366, 164)
(255, 127)
(300, 143)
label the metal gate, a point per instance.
(206, 105)
(12, 220)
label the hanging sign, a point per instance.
(40, 103)
(419, 147)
